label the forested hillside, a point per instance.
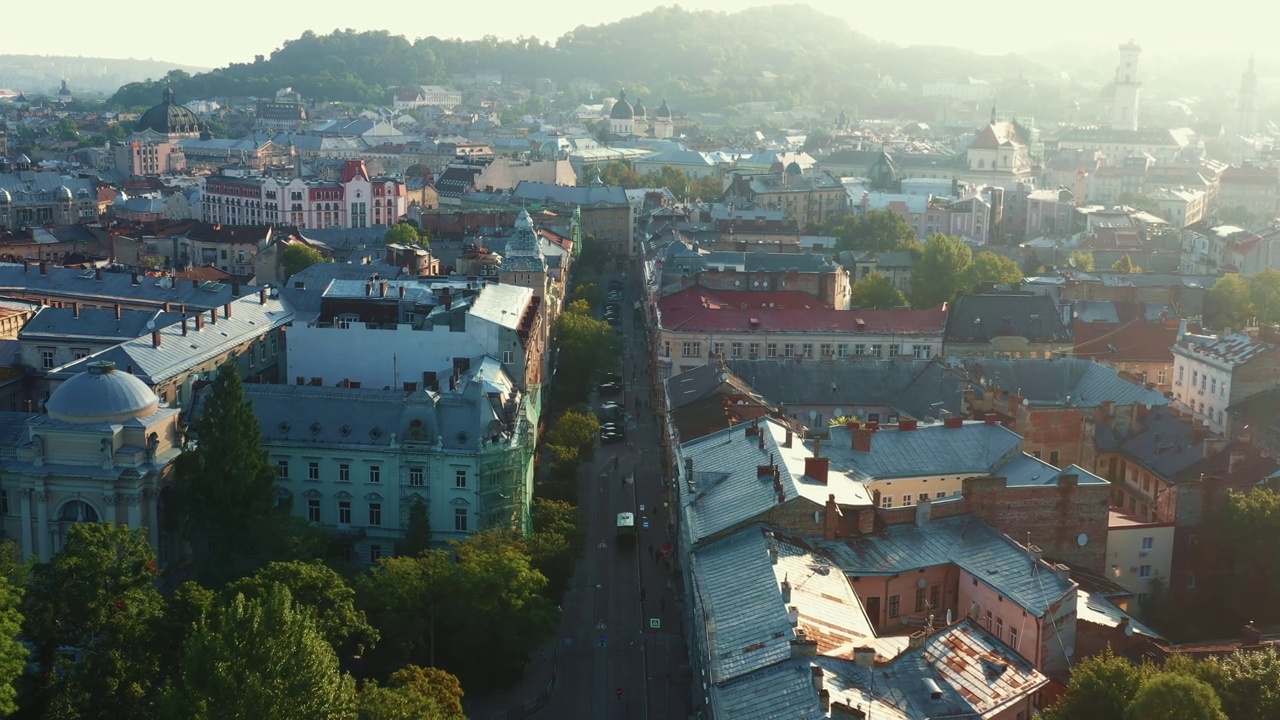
(699, 59)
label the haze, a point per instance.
(236, 30)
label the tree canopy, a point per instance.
(1171, 696)
(873, 231)
(405, 233)
(989, 268)
(875, 290)
(322, 592)
(298, 257)
(1235, 300)
(939, 275)
(584, 348)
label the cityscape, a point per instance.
(697, 365)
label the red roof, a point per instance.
(1134, 338)
(1250, 175)
(698, 309)
(995, 135)
(354, 169)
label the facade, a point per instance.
(606, 214)
(354, 200)
(697, 324)
(816, 275)
(1128, 88)
(1114, 145)
(356, 460)
(1246, 120)
(33, 199)
(805, 198)
(101, 452)
(410, 97)
(1211, 373)
(1006, 325)
(1147, 332)
(1255, 189)
(1181, 207)
(999, 155)
(1139, 554)
(148, 153)
(230, 248)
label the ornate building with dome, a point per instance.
(172, 120)
(628, 120)
(40, 199)
(522, 261)
(153, 149)
(101, 452)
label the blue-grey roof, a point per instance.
(94, 324)
(113, 287)
(1166, 444)
(305, 414)
(100, 391)
(1028, 471)
(974, 448)
(565, 195)
(1062, 381)
(43, 187)
(979, 318)
(502, 304)
(965, 541)
(304, 290)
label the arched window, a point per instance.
(78, 511)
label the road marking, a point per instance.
(655, 623)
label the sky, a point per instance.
(216, 33)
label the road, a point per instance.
(623, 647)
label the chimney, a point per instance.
(1250, 636)
(873, 426)
(824, 699)
(368, 288)
(906, 425)
(184, 325)
(989, 418)
(817, 468)
(773, 555)
(133, 280)
(867, 518)
(235, 289)
(845, 711)
(195, 284)
(1036, 554)
(865, 657)
(262, 296)
(760, 437)
(1063, 572)
(168, 307)
(1235, 461)
(752, 429)
(924, 510)
(803, 647)
(818, 677)
(953, 423)
(862, 440)
(831, 519)
(119, 311)
(226, 310)
(26, 265)
(786, 591)
(75, 309)
(402, 292)
(916, 640)
(44, 269)
(383, 290)
(817, 447)
(97, 274)
(787, 443)
(155, 338)
(213, 316)
(199, 322)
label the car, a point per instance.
(608, 437)
(609, 388)
(644, 523)
(612, 377)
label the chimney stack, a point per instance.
(75, 309)
(226, 310)
(831, 518)
(989, 418)
(402, 292)
(184, 325)
(862, 440)
(262, 296)
(786, 591)
(97, 274)
(168, 307)
(953, 422)
(199, 322)
(119, 311)
(44, 268)
(213, 316)
(817, 468)
(155, 338)
(818, 677)
(26, 265)
(787, 443)
(906, 425)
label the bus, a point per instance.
(626, 529)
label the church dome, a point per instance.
(638, 109)
(622, 109)
(169, 118)
(101, 395)
(663, 111)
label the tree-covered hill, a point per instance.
(699, 59)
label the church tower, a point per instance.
(522, 262)
(1246, 104)
(1124, 105)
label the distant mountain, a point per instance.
(37, 74)
(701, 60)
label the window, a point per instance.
(375, 514)
(842, 350)
(344, 473)
(1213, 386)
(920, 606)
(717, 349)
(806, 350)
(1144, 571)
(375, 553)
(886, 501)
(825, 350)
(691, 349)
(344, 512)
(894, 350)
(1195, 377)
(754, 350)
(859, 349)
(1036, 453)
(875, 350)
(666, 348)
(920, 351)
(1053, 458)
(313, 510)
(1147, 544)
(999, 627)
(1013, 637)
(375, 473)
(460, 520)
(986, 620)
(735, 350)
(940, 494)
(788, 350)
(313, 471)
(935, 593)
(79, 353)
(1161, 377)
(1181, 371)
(417, 476)
(4, 502)
(46, 358)
(1142, 598)
(771, 350)
(282, 469)
(460, 479)
(893, 606)
(906, 500)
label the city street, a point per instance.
(622, 647)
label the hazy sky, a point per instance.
(222, 31)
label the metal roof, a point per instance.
(974, 448)
(100, 324)
(113, 287)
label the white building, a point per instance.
(410, 97)
(354, 200)
(1128, 87)
(1211, 373)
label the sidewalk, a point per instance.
(526, 697)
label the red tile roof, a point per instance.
(698, 309)
(1134, 338)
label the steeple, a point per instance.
(1246, 103)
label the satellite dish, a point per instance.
(813, 415)
(1128, 630)
(151, 325)
(839, 412)
(1071, 261)
(1082, 539)
(921, 583)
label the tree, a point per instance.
(98, 596)
(875, 290)
(13, 654)
(990, 268)
(404, 233)
(584, 347)
(417, 536)
(1083, 261)
(224, 488)
(1248, 682)
(575, 429)
(1101, 687)
(1170, 696)
(184, 610)
(1238, 215)
(1125, 265)
(873, 231)
(321, 591)
(1230, 303)
(1264, 295)
(260, 658)
(937, 276)
(298, 257)
(556, 541)
(1236, 560)
(414, 693)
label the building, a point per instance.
(1139, 554)
(805, 198)
(102, 451)
(57, 336)
(1115, 145)
(817, 275)
(1006, 325)
(279, 115)
(356, 460)
(1246, 119)
(1212, 373)
(1255, 189)
(410, 97)
(148, 152)
(172, 121)
(708, 399)
(999, 155)
(61, 287)
(1214, 247)
(230, 248)
(606, 213)
(1133, 338)
(696, 324)
(35, 199)
(354, 200)
(895, 266)
(1181, 207)
(1127, 89)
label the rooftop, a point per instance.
(973, 448)
(1233, 349)
(698, 309)
(18, 281)
(981, 318)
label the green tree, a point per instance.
(556, 542)
(1084, 261)
(1125, 265)
(13, 654)
(224, 488)
(990, 268)
(404, 233)
(260, 658)
(1100, 689)
(875, 290)
(184, 610)
(937, 276)
(575, 429)
(1230, 303)
(321, 591)
(1248, 682)
(414, 693)
(873, 231)
(1169, 696)
(98, 596)
(417, 535)
(1264, 295)
(1238, 215)
(1236, 560)
(584, 348)
(298, 257)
